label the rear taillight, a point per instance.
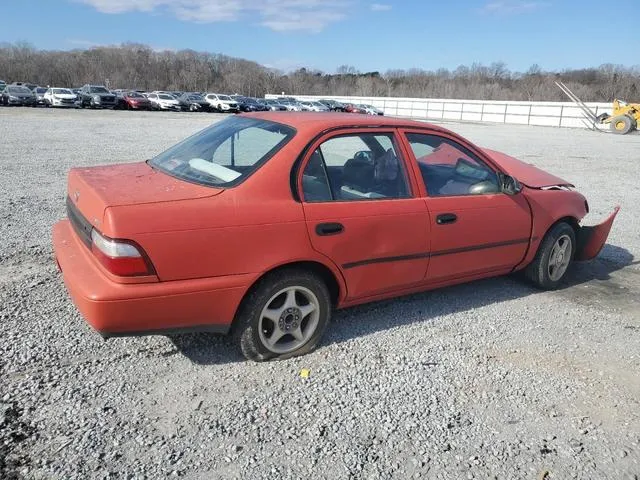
(120, 257)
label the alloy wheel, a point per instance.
(289, 319)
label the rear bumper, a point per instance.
(125, 309)
(591, 239)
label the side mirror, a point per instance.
(510, 185)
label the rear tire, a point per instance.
(553, 258)
(283, 316)
(622, 124)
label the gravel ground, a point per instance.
(487, 380)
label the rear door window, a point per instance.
(351, 167)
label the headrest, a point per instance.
(386, 166)
(358, 172)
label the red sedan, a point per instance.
(352, 108)
(262, 224)
(134, 101)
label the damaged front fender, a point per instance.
(591, 239)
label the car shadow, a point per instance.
(350, 323)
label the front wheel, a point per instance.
(621, 124)
(284, 316)
(554, 255)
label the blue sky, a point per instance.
(324, 34)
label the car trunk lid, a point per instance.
(525, 173)
(93, 189)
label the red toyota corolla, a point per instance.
(263, 223)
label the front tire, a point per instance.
(551, 263)
(284, 316)
(622, 124)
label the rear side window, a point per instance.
(355, 167)
(226, 153)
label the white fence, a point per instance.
(553, 114)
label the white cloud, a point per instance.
(279, 15)
(310, 21)
(380, 7)
(512, 7)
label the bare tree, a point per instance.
(138, 66)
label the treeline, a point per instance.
(140, 67)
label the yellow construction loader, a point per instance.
(624, 117)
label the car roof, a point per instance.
(326, 120)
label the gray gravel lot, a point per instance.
(487, 380)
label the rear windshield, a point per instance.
(225, 153)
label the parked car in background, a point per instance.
(272, 105)
(222, 103)
(304, 106)
(164, 101)
(333, 105)
(313, 106)
(194, 102)
(249, 104)
(291, 105)
(130, 100)
(18, 95)
(39, 93)
(97, 96)
(380, 208)
(61, 97)
(370, 109)
(352, 108)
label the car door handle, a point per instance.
(323, 229)
(445, 218)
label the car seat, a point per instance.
(357, 179)
(388, 179)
